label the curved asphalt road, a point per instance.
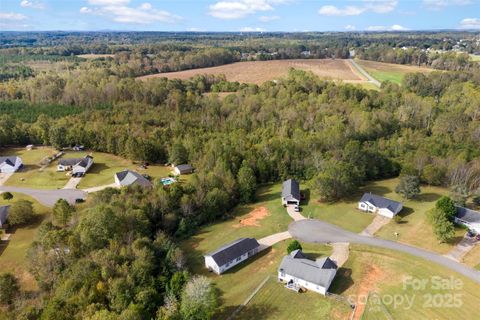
(48, 197)
(316, 231)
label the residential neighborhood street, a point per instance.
(48, 197)
(316, 231)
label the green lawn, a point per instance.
(414, 228)
(388, 71)
(385, 272)
(273, 301)
(105, 165)
(215, 235)
(30, 175)
(342, 213)
(475, 57)
(13, 253)
(238, 283)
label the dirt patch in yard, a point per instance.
(253, 217)
(368, 283)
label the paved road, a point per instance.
(48, 197)
(371, 79)
(316, 231)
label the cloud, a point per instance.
(345, 11)
(470, 23)
(32, 4)
(12, 16)
(376, 6)
(250, 29)
(395, 27)
(119, 11)
(349, 27)
(108, 2)
(237, 9)
(268, 18)
(440, 4)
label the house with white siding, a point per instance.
(10, 164)
(78, 166)
(231, 255)
(300, 273)
(376, 204)
(469, 218)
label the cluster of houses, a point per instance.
(296, 270)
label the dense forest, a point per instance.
(118, 258)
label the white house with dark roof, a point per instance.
(231, 254)
(128, 178)
(78, 166)
(182, 169)
(469, 218)
(290, 192)
(298, 272)
(376, 204)
(10, 164)
(3, 216)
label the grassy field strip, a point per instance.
(249, 298)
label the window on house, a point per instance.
(239, 258)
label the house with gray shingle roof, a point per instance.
(182, 169)
(231, 254)
(469, 218)
(3, 216)
(78, 166)
(290, 192)
(376, 204)
(10, 164)
(298, 272)
(128, 178)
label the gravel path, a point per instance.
(48, 197)
(371, 79)
(316, 231)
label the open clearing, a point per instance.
(261, 71)
(389, 71)
(13, 253)
(95, 56)
(414, 229)
(398, 268)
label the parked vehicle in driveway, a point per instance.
(296, 209)
(470, 234)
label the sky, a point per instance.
(239, 15)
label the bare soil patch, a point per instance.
(253, 217)
(374, 274)
(261, 71)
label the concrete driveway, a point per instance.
(72, 183)
(294, 215)
(316, 231)
(4, 177)
(100, 188)
(461, 249)
(272, 239)
(48, 197)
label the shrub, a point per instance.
(294, 245)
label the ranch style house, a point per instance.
(231, 254)
(376, 204)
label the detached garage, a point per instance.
(291, 192)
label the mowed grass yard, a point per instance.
(14, 251)
(30, 176)
(389, 71)
(259, 72)
(238, 283)
(384, 272)
(414, 229)
(472, 258)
